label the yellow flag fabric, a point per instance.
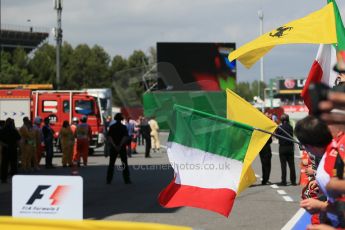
(10, 223)
(238, 109)
(318, 27)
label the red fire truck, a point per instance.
(58, 105)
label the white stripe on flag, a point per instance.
(198, 168)
(326, 57)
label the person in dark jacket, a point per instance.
(146, 134)
(118, 138)
(9, 135)
(265, 158)
(286, 150)
(48, 136)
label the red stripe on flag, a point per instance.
(314, 76)
(217, 200)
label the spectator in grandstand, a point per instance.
(335, 102)
(331, 165)
(314, 135)
(286, 150)
(340, 80)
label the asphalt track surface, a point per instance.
(258, 207)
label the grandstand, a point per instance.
(26, 37)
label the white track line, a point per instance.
(274, 186)
(287, 198)
(281, 192)
(292, 222)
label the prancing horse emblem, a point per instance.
(280, 31)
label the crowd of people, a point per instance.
(322, 142)
(23, 148)
(321, 137)
(26, 146)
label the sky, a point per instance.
(122, 26)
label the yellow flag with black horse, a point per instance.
(316, 28)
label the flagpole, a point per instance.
(279, 136)
(261, 18)
(288, 134)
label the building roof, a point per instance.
(27, 37)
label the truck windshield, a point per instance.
(84, 107)
(104, 103)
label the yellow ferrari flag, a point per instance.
(318, 27)
(238, 109)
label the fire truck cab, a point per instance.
(58, 105)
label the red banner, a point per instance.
(295, 108)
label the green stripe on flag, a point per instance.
(210, 133)
(339, 27)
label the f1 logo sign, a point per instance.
(55, 197)
(37, 194)
(51, 197)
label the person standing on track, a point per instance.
(154, 134)
(286, 150)
(118, 138)
(84, 136)
(67, 143)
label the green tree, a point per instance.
(243, 89)
(14, 68)
(127, 78)
(98, 68)
(78, 72)
(117, 64)
(137, 59)
(7, 70)
(255, 88)
(88, 68)
(66, 53)
(43, 65)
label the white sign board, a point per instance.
(50, 197)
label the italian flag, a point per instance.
(206, 153)
(321, 70)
